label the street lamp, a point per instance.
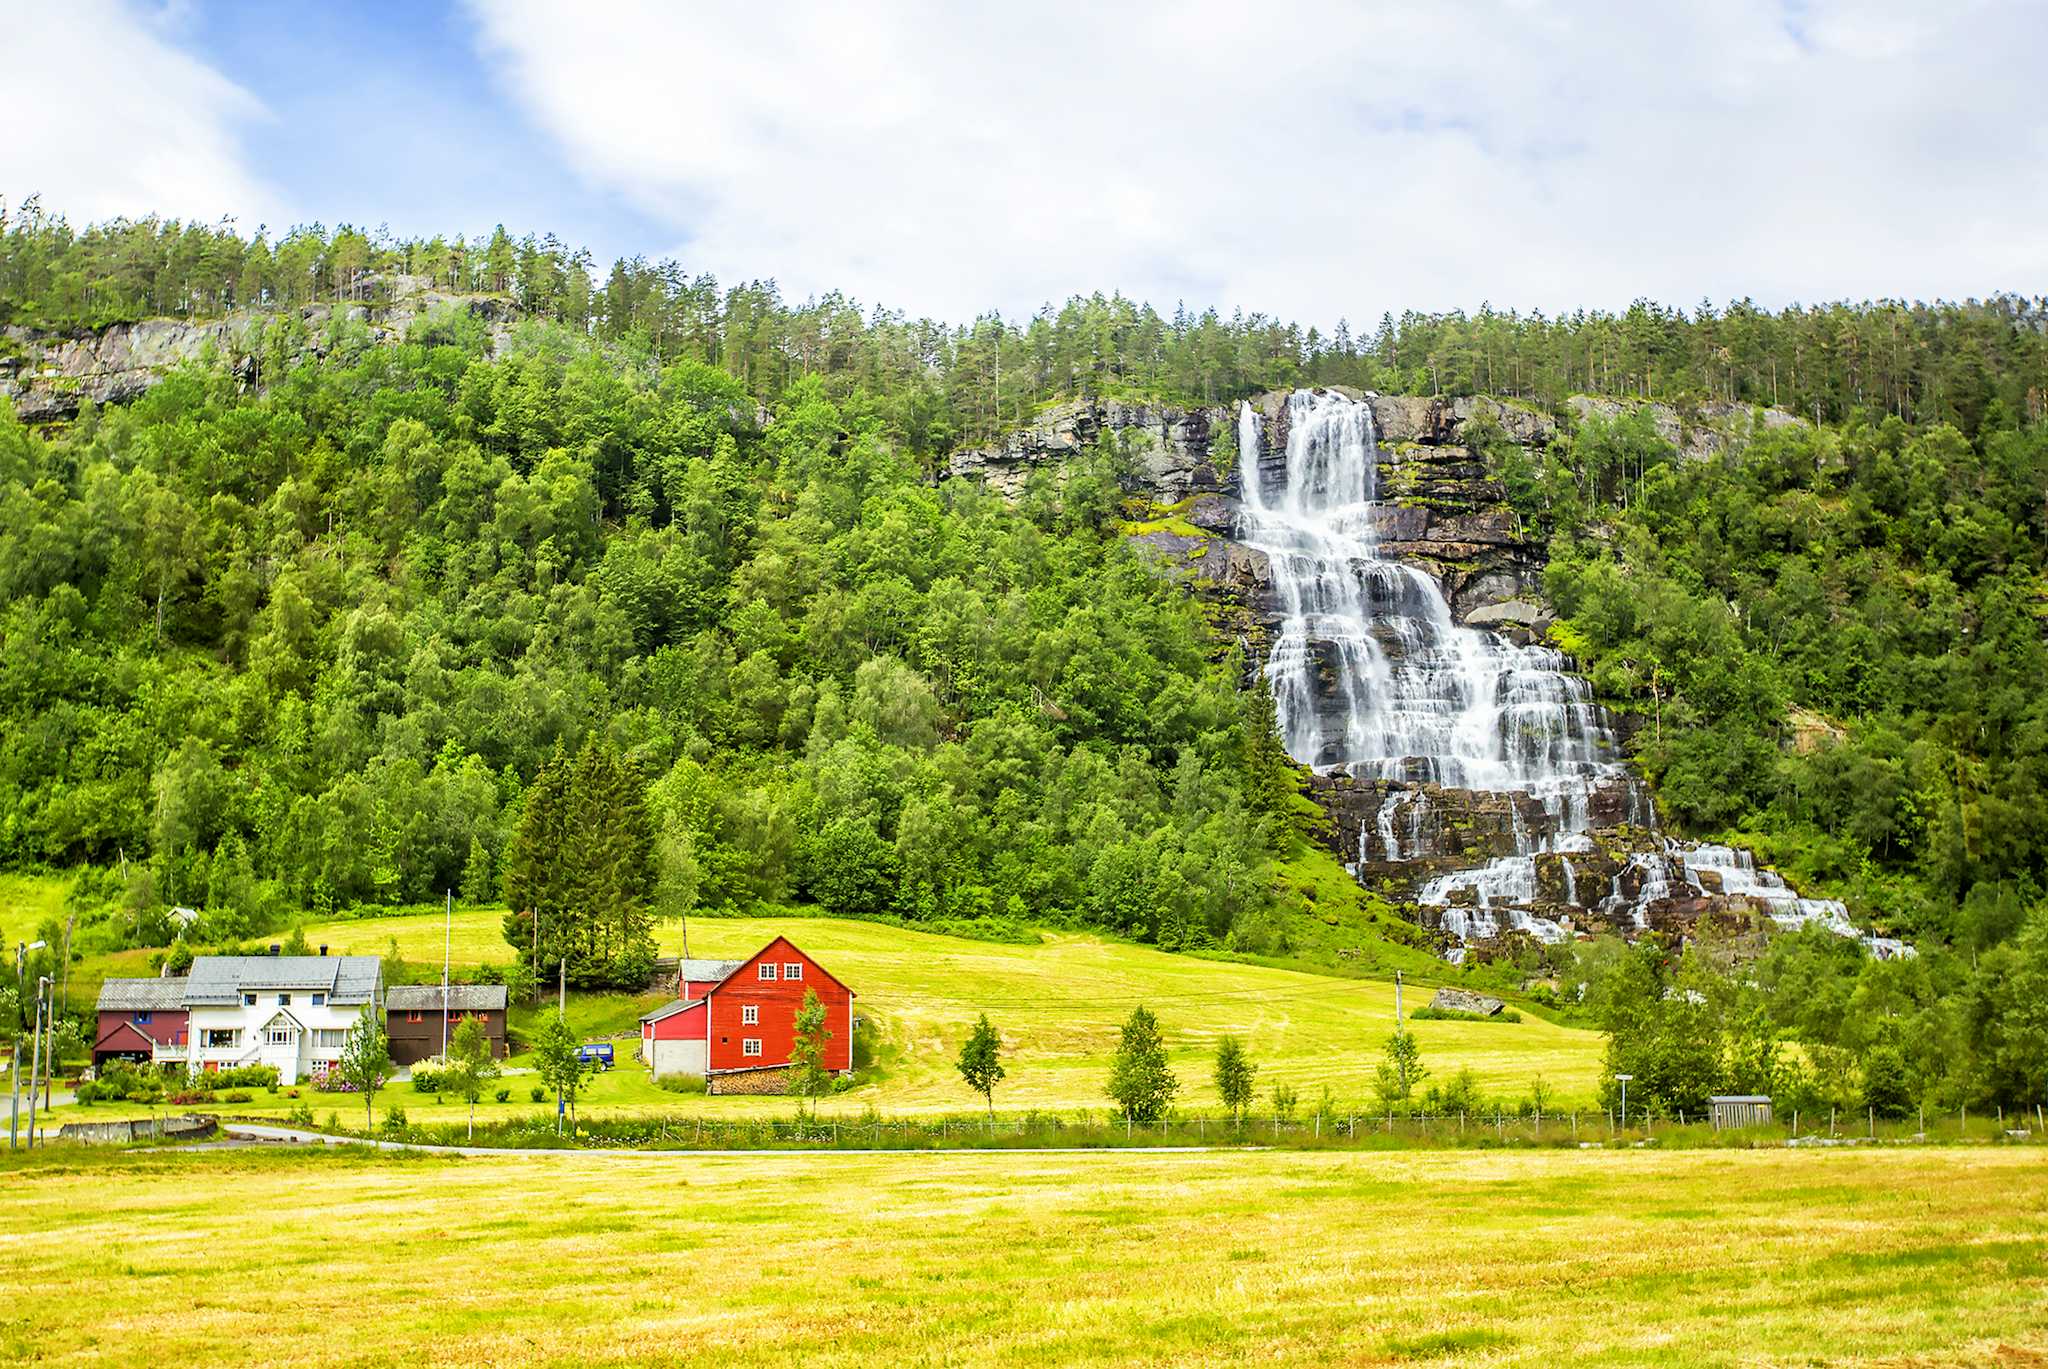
(1623, 1079)
(21, 950)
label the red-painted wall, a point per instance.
(687, 1025)
(166, 1025)
(778, 1000)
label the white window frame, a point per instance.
(750, 1046)
(233, 1035)
(284, 1000)
(319, 1000)
(277, 1036)
(329, 1038)
(765, 971)
(750, 1015)
(793, 969)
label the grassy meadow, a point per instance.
(1913, 1256)
(1059, 1005)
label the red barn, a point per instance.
(735, 1020)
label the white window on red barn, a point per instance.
(767, 969)
(793, 970)
(750, 1046)
(750, 1014)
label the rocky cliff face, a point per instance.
(1482, 868)
(49, 378)
(1170, 446)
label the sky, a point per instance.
(1314, 161)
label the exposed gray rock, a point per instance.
(49, 377)
(1698, 434)
(1464, 1000)
(1517, 612)
(1169, 446)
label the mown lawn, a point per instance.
(1923, 1257)
(1059, 1005)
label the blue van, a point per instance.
(598, 1053)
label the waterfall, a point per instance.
(1372, 677)
(1370, 674)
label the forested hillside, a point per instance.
(307, 643)
(936, 382)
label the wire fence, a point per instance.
(1320, 1129)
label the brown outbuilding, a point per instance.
(420, 1025)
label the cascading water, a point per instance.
(1415, 697)
(1374, 678)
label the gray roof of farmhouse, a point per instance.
(142, 995)
(705, 971)
(223, 979)
(461, 998)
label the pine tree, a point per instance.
(476, 874)
(1270, 784)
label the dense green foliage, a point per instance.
(1835, 640)
(1140, 1081)
(1888, 1036)
(579, 872)
(311, 647)
(1235, 1076)
(935, 383)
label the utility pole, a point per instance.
(35, 1066)
(447, 941)
(21, 950)
(1397, 1000)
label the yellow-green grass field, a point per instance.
(1909, 1257)
(1059, 1005)
(25, 901)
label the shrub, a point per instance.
(246, 1077)
(504, 1095)
(334, 1121)
(394, 1122)
(427, 1078)
(238, 1096)
(190, 1097)
(302, 1115)
(537, 1094)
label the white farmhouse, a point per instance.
(290, 1011)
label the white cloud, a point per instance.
(106, 116)
(1310, 160)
